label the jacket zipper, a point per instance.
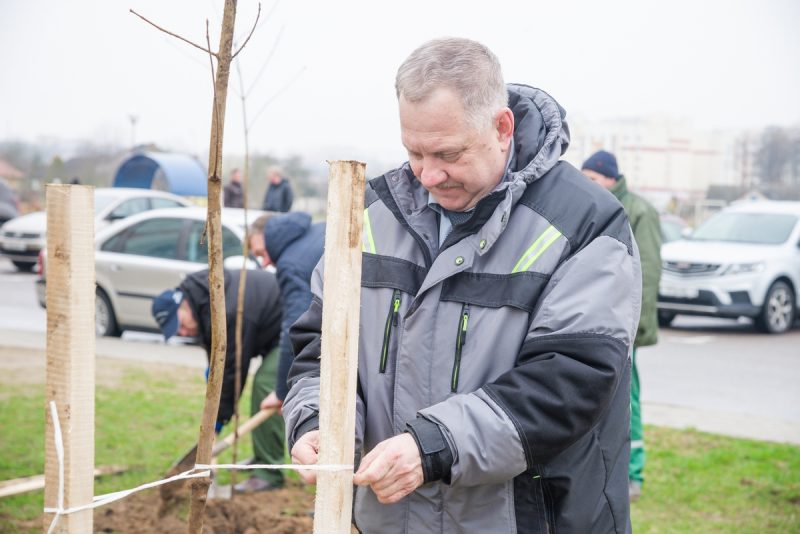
(391, 320)
(461, 338)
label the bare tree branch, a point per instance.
(185, 52)
(242, 283)
(216, 116)
(216, 107)
(255, 23)
(207, 50)
(276, 95)
(269, 14)
(266, 62)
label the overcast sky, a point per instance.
(78, 69)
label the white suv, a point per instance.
(744, 261)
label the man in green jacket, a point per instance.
(601, 168)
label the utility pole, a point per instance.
(133, 119)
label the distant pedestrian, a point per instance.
(279, 195)
(233, 192)
(75, 180)
(601, 168)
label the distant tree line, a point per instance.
(777, 159)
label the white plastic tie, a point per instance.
(198, 471)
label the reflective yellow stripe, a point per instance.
(541, 244)
(368, 244)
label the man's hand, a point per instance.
(393, 469)
(306, 452)
(272, 401)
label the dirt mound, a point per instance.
(284, 511)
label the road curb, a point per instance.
(114, 348)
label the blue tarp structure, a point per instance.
(177, 173)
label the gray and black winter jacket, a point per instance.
(505, 351)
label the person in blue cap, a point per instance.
(186, 311)
(601, 168)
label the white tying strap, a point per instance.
(295, 467)
(198, 471)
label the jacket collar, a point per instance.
(620, 189)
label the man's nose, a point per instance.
(431, 175)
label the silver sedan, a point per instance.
(141, 256)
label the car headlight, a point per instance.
(742, 268)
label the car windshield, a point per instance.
(103, 199)
(671, 230)
(759, 228)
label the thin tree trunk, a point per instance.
(242, 277)
(215, 274)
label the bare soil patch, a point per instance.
(284, 511)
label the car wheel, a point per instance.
(105, 322)
(665, 318)
(24, 266)
(777, 314)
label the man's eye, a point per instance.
(451, 156)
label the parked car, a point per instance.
(673, 228)
(9, 204)
(744, 261)
(141, 256)
(22, 238)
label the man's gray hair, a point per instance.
(462, 65)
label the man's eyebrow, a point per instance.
(449, 151)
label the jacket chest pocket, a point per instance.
(461, 339)
(392, 322)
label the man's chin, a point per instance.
(452, 203)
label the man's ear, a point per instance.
(504, 124)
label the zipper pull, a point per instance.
(396, 308)
(464, 322)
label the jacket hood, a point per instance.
(282, 230)
(541, 135)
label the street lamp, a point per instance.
(133, 119)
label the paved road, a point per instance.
(18, 307)
(716, 375)
(722, 376)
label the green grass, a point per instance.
(141, 423)
(695, 482)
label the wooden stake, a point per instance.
(70, 351)
(339, 365)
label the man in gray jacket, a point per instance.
(500, 297)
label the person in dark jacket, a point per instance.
(294, 245)
(233, 193)
(499, 300)
(601, 168)
(279, 195)
(186, 311)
